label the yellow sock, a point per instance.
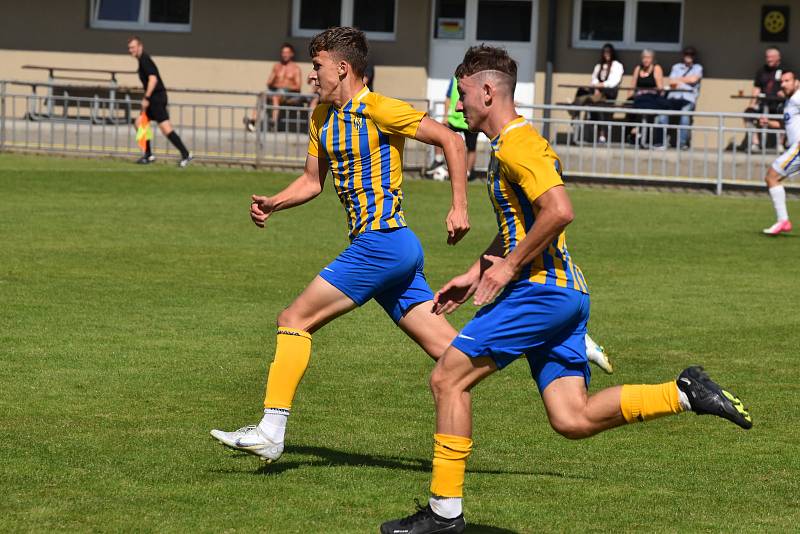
(292, 352)
(645, 402)
(449, 463)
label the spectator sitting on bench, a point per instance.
(767, 97)
(684, 83)
(606, 77)
(284, 78)
(648, 88)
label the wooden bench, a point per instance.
(102, 102)
(82, 102)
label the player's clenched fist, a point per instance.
(260, 209)
(457, 225)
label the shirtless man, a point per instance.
(284, 78)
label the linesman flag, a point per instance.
(144, 133)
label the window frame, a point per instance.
(346, 19)
(142, 23)
(628, 41)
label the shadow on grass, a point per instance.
(486, 529)
(326, 457)
(784, 235)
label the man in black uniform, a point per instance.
(154, 102)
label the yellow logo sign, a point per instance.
(774, 22)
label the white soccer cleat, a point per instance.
(185, 161)
(597, 355)
(250, 440)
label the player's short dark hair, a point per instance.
(133, 38)
(343, 42)
(789, 71)
(289, 46)
(480, 58)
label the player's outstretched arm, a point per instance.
(307, 186)
(458, 290)
(435, 133)
(554, 214)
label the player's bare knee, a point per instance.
(437, 383)
(288, 318)
(440, 383)
(571, 427)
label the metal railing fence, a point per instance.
(61, 123)
(714, 149)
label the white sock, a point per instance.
(683, 398)
(273, 424)
(447, 507)
(778, 194)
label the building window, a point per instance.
(376, 18)
(602, 21)
(504, 20)
(628, 24)
(156, 15)
(320, 14)
(374, 15)
(658, 22)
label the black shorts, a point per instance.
(157, 110)
(470, 138)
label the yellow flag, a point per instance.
(144, 133)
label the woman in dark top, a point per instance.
(648, 89)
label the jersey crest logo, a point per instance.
(358, 121)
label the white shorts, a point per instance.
(788, 163)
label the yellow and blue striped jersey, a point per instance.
(363, 141)
(524, 166)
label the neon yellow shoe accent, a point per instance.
(738, 405)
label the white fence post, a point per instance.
(720, 150)
(2, 115)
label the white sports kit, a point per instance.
(788, 163)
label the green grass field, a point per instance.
(137, 311)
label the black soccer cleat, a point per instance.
(707, 397)
(424, 521)
(146, 160)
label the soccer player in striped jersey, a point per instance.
(536, 305)
(358, 136)
(788, 163)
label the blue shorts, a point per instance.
(385, 265)
(545, 323)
